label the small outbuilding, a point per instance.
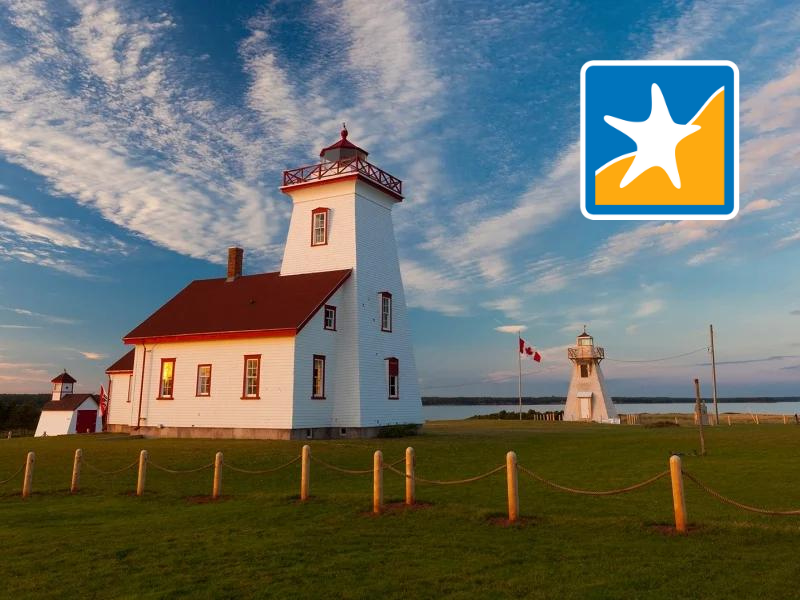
(67, 412)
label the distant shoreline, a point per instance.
(555, 400)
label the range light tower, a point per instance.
(587, 398)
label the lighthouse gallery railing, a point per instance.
(342, 167)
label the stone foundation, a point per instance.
(251, 433)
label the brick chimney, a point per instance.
(235, 258)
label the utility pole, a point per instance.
(714, 375)
(519, 364)
(698, 408)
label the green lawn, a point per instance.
(258, 541)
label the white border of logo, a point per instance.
(670, 63)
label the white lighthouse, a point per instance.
(319, 349)
(587, 398)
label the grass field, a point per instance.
(258, 541)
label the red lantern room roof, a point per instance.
(64, 378)
(343, 144)
(343, 160)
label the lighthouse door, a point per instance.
(586, 406)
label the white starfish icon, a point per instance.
(656, 139)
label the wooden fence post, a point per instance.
(729, 420)
(142, 472)
(217, 476)
(305, 472)
(513, 489)
(28, 481)
(411, 460)
(784, 419)
(678, 498)
(76, 472)
(377, 482)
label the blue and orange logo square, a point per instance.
(659, 140)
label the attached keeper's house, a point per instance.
(319, 349)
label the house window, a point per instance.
(386, 311)
(393, 368)
(319, 227)
(203, 380)
(252, 376)
(167, 378)
(318, 378)
(330, 318)
(584, 370)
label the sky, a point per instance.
(139, 139)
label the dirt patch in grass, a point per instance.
(502, 521)
(670, 531)
(206, 499)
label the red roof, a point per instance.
(64, 378)
(343, 143)
(123, 365)
(69, 402)
(268, 304)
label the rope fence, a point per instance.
(260, 471)
(18, 471)
(511, 466)
(563, 488)
(178, 471)
(726, 500)
(450, 482)
(113, 472)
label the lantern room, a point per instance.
(342, 149)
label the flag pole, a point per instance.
(714, 375)
(519, 364)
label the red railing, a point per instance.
(343, 167)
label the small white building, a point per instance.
(67, 412)
(318, 349)
(587, 398)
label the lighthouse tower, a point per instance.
(587, 398)
(342, 219)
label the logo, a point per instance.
(660, 140)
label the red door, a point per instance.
(87, 419)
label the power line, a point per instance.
(651, 360)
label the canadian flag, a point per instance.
(527, 351)
(103, 401)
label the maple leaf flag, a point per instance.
(103, 401)
(529, 352)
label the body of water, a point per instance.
(451, 412)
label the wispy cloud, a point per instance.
(759, 205)
(649, 308)
(511, 328)
(36, 315)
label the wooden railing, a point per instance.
(586, 352)
(343, 167)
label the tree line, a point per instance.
(21, 411)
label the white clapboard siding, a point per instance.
(225, 407)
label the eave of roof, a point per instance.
(123, 365)
(335, 279)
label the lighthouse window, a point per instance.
(393, 368)
(203, 380)
(584, 370)
(318, 378)
(330, 318)
(252, 376)
(386, 311)
(319, 227)
(167, 378)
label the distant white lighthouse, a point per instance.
(587, 398)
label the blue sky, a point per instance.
(138, 140)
